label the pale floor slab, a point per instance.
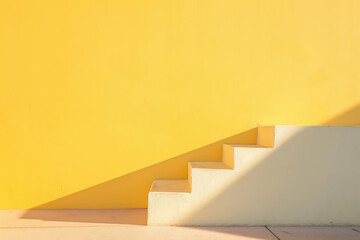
(317, 233)
(134, 233)
(130, 224)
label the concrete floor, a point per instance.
(131, 224)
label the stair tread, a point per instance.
(170, 186)
(246, 146)
(209, 165)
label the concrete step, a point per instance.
(166, 186)
(208, 165)
(310, 177)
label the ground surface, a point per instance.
(131, 224)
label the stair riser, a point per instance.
(164, 208)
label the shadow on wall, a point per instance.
(125, 191)
(263, 180)
(122, 191)
(315, 184)
(350, 117)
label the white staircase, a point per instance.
(295, 175)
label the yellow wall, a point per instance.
(92, 93)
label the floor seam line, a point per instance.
(272, 233)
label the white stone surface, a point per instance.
(310, 177)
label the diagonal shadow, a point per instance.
(350, 117)
(131, 190)
(281, 175)
(123, 191)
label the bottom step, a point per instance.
(170, 186)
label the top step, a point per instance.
(244, 146)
